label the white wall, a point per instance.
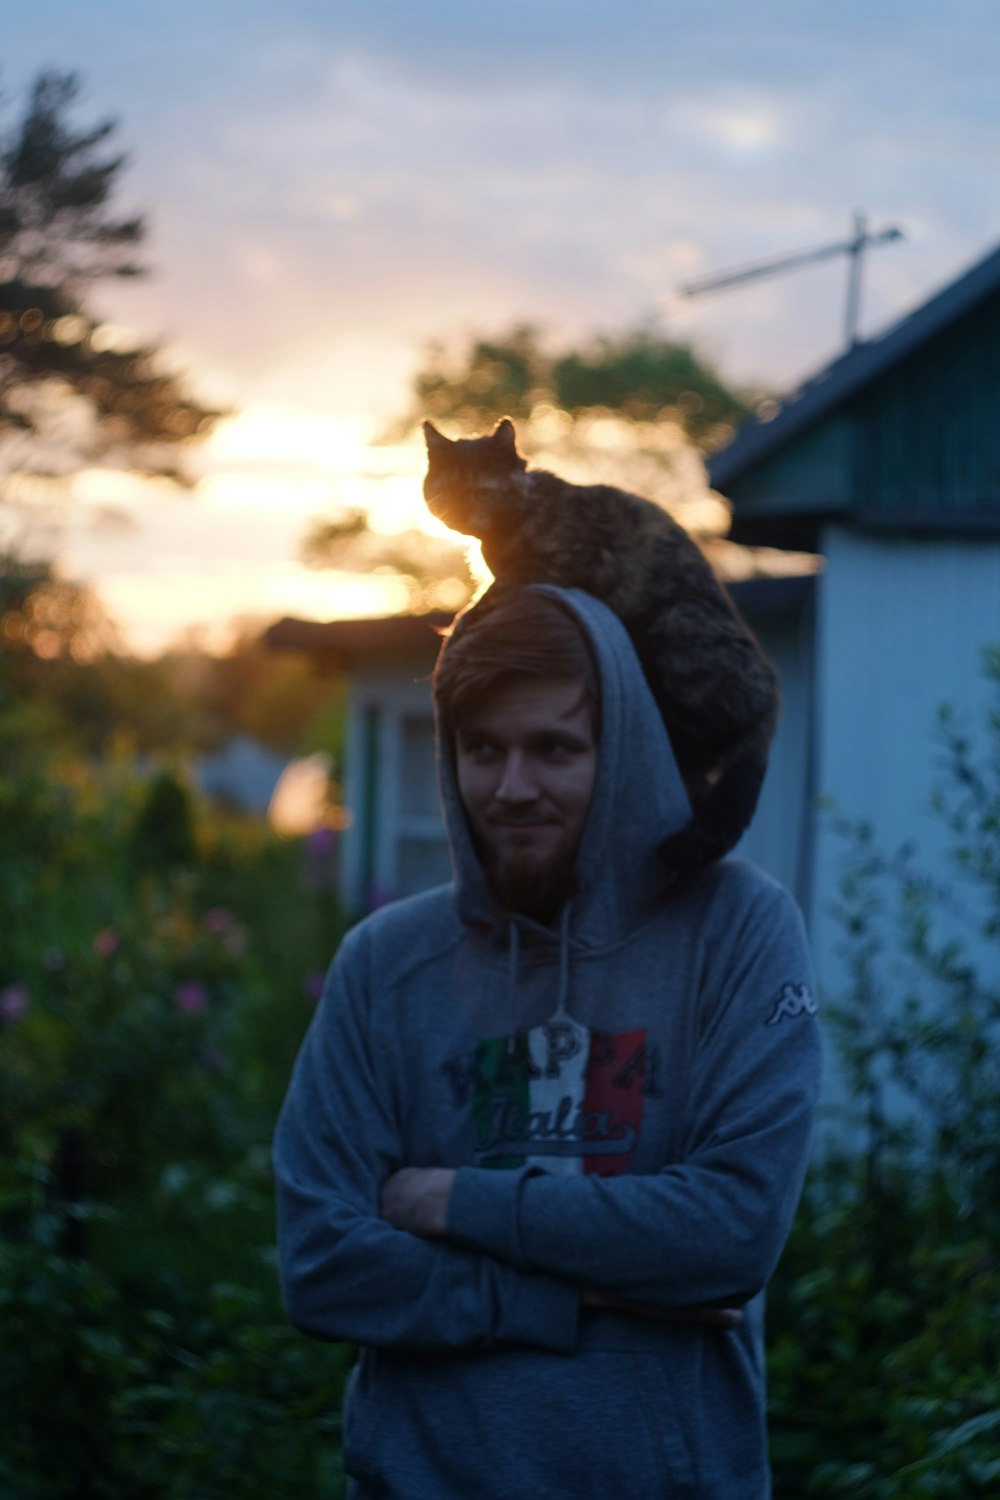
(395, 842)
(900, 627)
(780, 837)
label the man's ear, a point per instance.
(435, 439)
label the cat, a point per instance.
(715, 689)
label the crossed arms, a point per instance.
(424, 1257)
(415, 1199)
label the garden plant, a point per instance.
(158, 966)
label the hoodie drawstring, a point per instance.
(513, 959)
(560, 1013)
(562, 993)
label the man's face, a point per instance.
(526, 757)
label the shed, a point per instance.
(394, 843)
(887, 463)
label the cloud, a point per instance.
(322, 179)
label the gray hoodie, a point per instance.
(627, 1097)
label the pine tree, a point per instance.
(69, 395)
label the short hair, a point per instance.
(516, 632)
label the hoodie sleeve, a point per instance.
(711, 1226)
(345, 1272)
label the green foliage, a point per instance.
(633, 409)
(885, 1317)
(884, 1327)
(95, 700)
(507, 375)
(147, 1030)
(148, 1025)
(643, 376)
(433, 569)
(163, 835)
(136, 1389)
(276, 697)
(45, 617)
(639, 375)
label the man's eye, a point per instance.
(479, 750)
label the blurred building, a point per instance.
(886, 465)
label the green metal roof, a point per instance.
(902, 432)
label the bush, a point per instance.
(149, 1015)
(885, 1316)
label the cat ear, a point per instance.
(504, 435)
(435, 439)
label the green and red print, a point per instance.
(558, 1095)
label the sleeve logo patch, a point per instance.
(794, 1000)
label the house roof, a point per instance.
(837, 382)
(343, 644)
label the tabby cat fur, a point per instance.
(715, 688)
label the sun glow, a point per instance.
(282, 434)
(232, 546)
(322, 462)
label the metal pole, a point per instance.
(855, 250)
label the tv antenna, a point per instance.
(862, 240)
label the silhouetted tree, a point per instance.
(66, 387)
(634, 409)
(643, 377)
(639, 375)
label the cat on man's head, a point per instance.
(716, 690)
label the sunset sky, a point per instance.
(331, 183)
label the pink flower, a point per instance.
(191, 997)
(217, 920)
(14, 1001)
(106, 942)
(313, 985)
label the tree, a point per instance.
(434, 570)
(647, 378)
(504, 376)
(633, 409)
(276, 697)
(638, 375)
(43, 615)
(69, 393)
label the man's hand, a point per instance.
(416, 1199)
(708, 1317)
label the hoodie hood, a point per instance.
(638, 799)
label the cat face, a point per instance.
(465, 476)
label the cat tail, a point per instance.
(723, 812)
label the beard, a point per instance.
(532, 888)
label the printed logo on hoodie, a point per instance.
(558, 1095)
(794, 1000)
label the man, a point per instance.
(549, 1127)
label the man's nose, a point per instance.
(516, 784)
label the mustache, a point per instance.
(526, 821)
